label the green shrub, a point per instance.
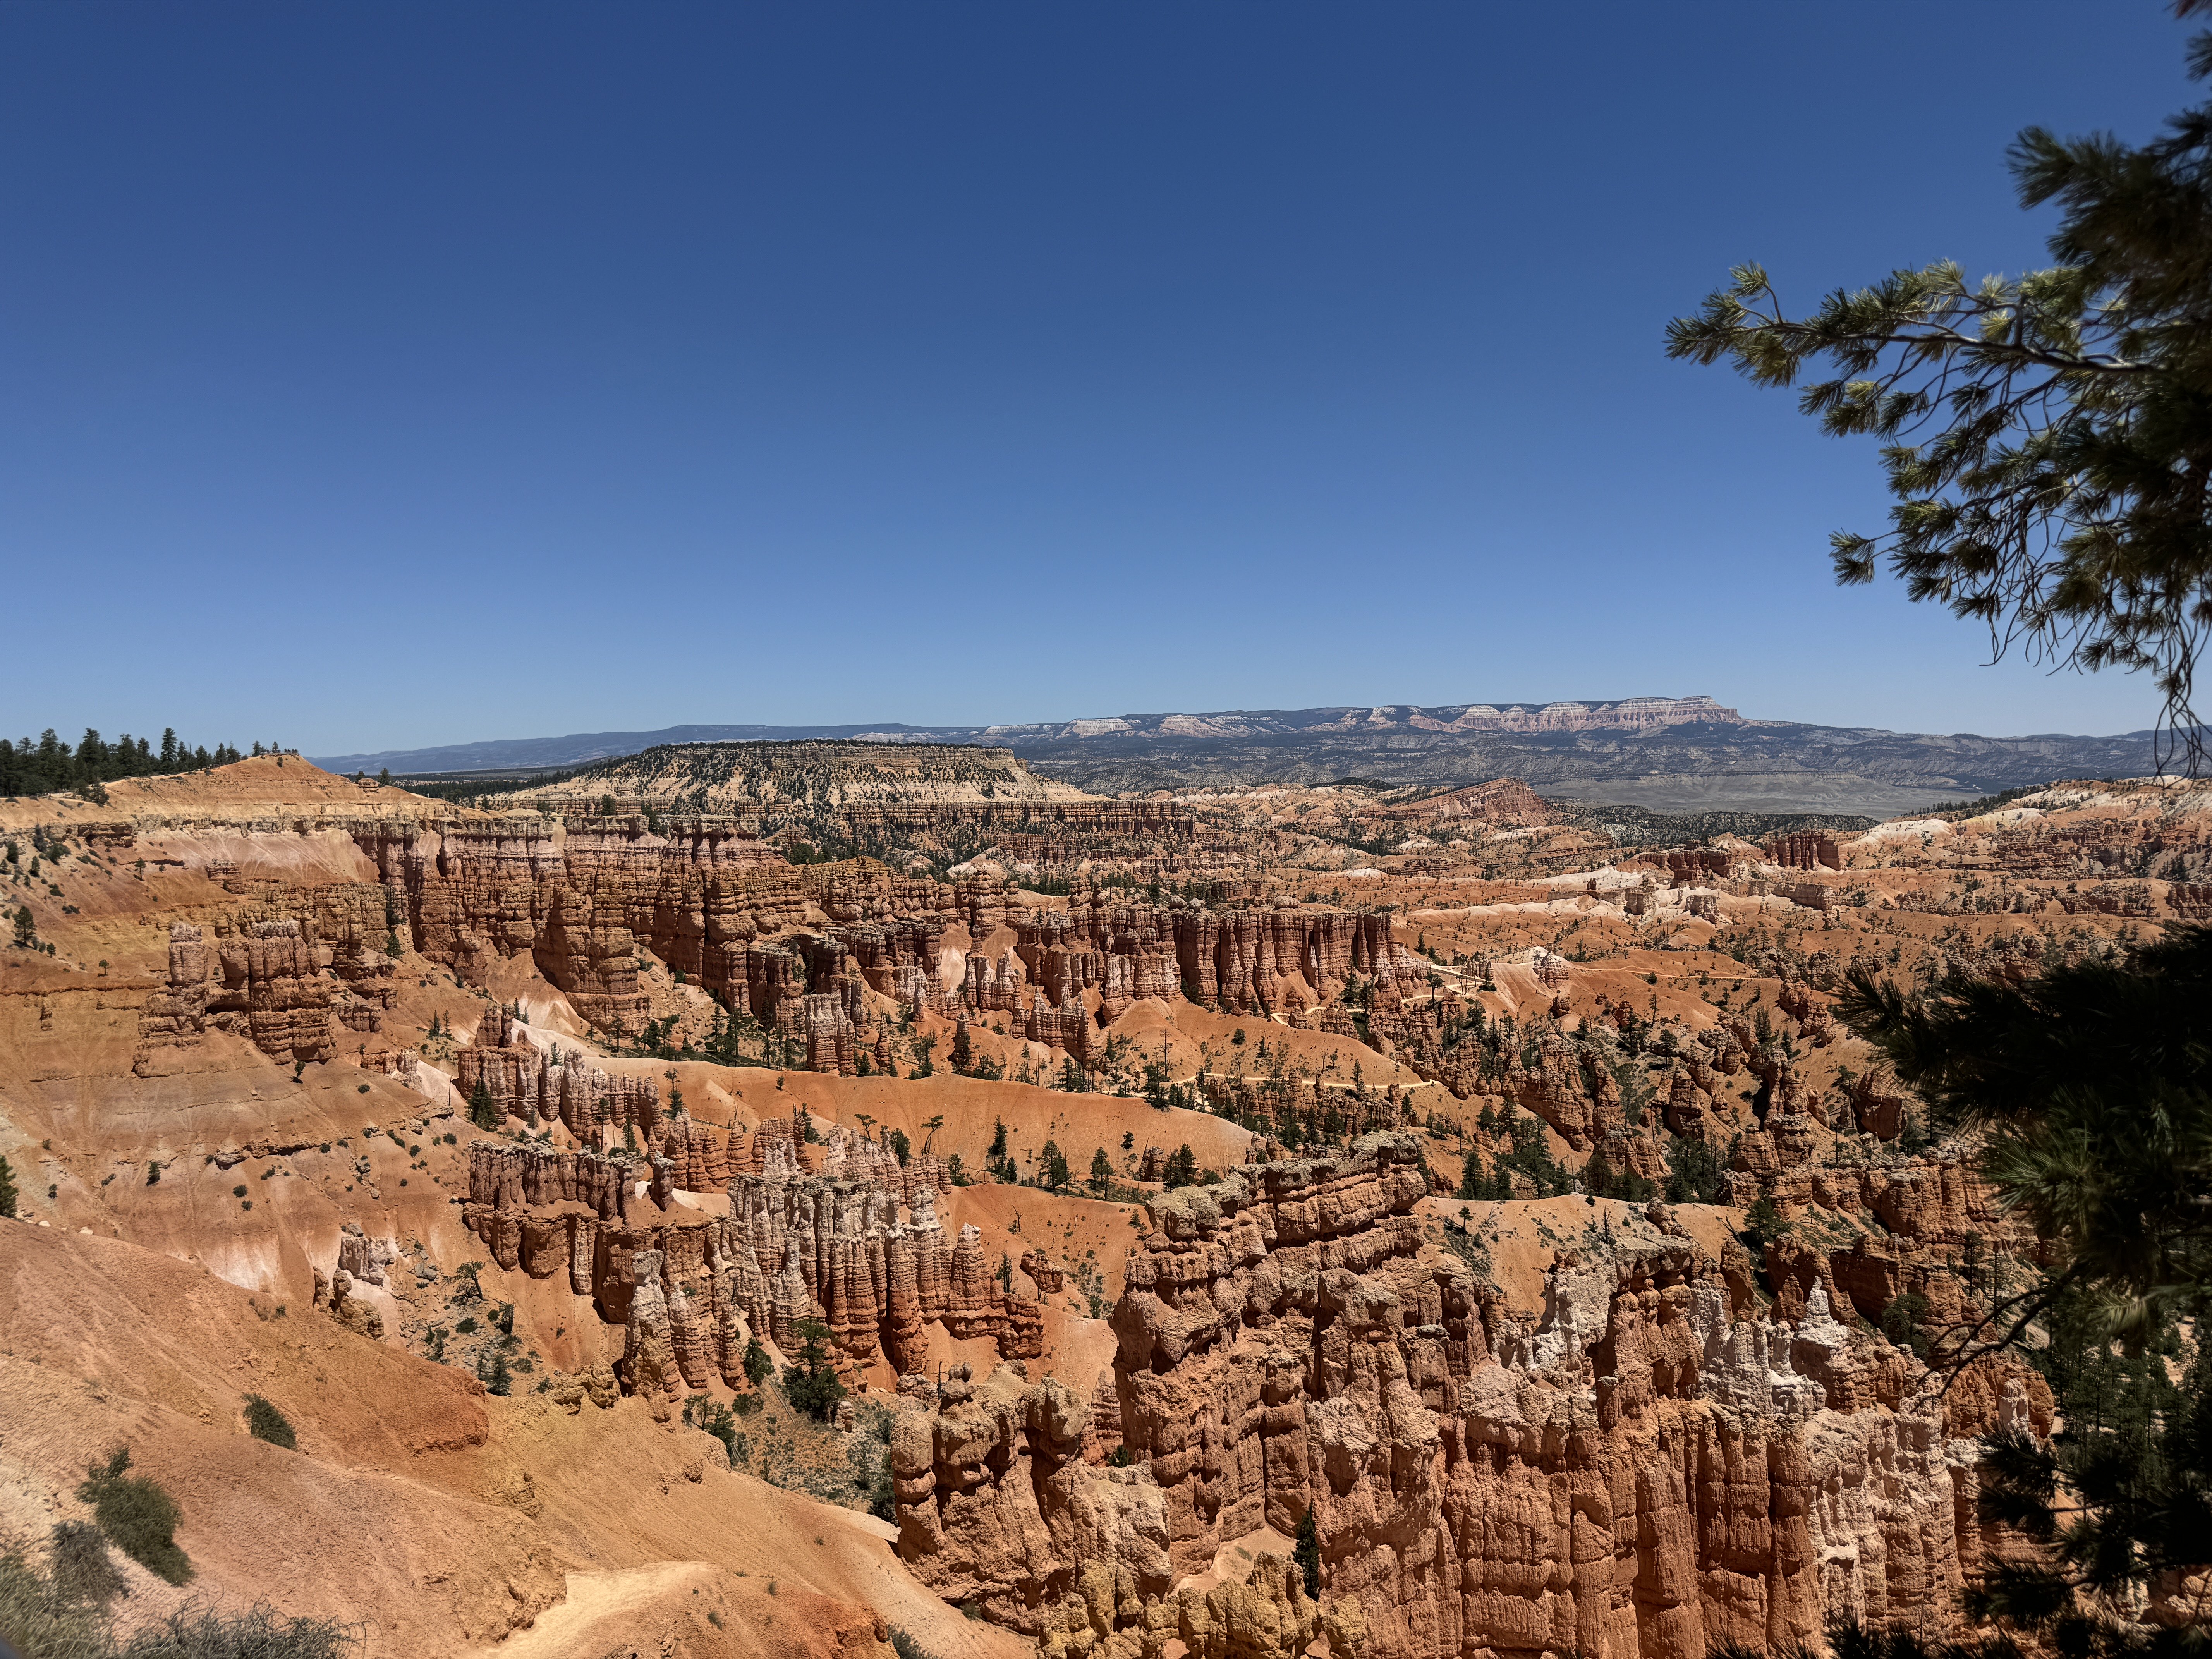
(265, 1422)
(51, 1616)
(1694, 1174)
(1763, 1221)
(906, 1647)
(757, 1363)
(812, 1385)
(139, 1518)
(703, 1411)
(1902, 1321)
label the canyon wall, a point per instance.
(854, 1242)
(793, 945)
(1643, 1465)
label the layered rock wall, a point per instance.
(524, 1082)
(856, 1244)
(1642, 1465)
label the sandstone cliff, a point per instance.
(1643, 1464)
(854, 1242)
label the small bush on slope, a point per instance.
(46, 1620)
(139, 1518)
(265, 1422)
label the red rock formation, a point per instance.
(1641, 1466)
(582, 895)
(1500, 800)
(287, 970)
(698, 1155)
(524, 1082)
(1806, 849)
(2191, 900)
(1939, 1231)
(271, 987)
(176, 1016)
(1688, 865)
(833, 1246)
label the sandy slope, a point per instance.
(440, 1519)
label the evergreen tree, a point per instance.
(1597, 1176)
(1182, 1168)
(484, 1110)
(2089, 1092)
(757, 1364)
(1470, 1175)
(1102, 1171)
(1052, 1167)
(26, 930)
(1694, 1174)
(1763, 1221)
(812, 1385)
(1305, 1550)
(2046, 439)
(7, 1189)
(50, 765)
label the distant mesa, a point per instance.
(1624, 713)
(1688, 754)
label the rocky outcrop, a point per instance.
(835, 1246)
(855, 1244)
(802, 950)
(1806, 849)
(582, 895)
(1928, 1225)
(1687, 865)
(335, 1297)
(526, 1082)
(288, 976)
(1498, 800)
(1285, 956)
(268, 984)
(1642, 1464)
(175, 1017)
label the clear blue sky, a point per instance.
(383, 375)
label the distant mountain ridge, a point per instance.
(1625, 714)
(1667, 754)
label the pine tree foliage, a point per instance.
(484, 1110)
(1182, 1168)
(1305, 1551)
(812, 1385)
(2089, 1092)
(2048, 438)
(2091, 1088)
(48, 765)
(1052, 1167)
